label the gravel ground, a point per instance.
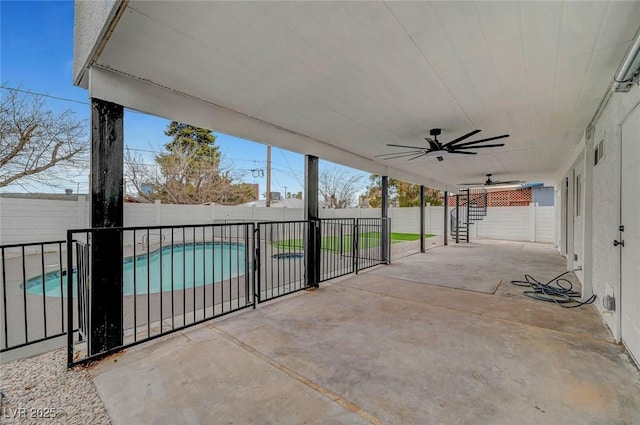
(40, 390)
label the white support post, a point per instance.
(532, 222)
(158, 214)
(80, 215)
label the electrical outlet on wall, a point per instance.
(575, 257)
(609, 303)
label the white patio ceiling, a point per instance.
(343, 79)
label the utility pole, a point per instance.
(285, 192)
(268, 203)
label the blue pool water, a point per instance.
(193, 265)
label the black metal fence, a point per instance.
(33, 293)
(172, 276)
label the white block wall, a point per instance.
(28, 220)
(545, 224)
(34, 220)
(532, 223)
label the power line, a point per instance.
(291, 168)
(44, 95)
(221, 154)
(64, 99)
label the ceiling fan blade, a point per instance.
(471, 184)
(396, 153)
(507, 182)
(482, 140)
(464, 152)
(417, 156)
(495, 145)
(433, 145)
(459, 139)
(405, 146)
(403, 155)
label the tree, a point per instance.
(338, 188)
(189, 172)
(406, 194)
(38, 145)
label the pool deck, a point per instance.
(388, 349)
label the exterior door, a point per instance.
(630, 219)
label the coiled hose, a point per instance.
(558, 290)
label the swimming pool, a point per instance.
(193, 265)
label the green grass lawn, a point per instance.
(330, 243)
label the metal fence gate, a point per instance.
(280, 258)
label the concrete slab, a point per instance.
(437, 267)
(374, 349)
(199, 377)
(405, 361)
(478, 266)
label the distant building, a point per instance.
(146, 188)
(283, 203)
(518, 196)
(275, 196)
(256, 191)
(45, 196)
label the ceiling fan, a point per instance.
(490, 182)
(438, 149)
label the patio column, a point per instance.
(422, 247)
(107, 210)
(312, 242)
(457, 217)
(385, 231)
(587, 255)
(446, 218)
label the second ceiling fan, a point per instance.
(490, 182)
(438, 149)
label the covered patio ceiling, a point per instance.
(340, 80)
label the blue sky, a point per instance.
(36, 54)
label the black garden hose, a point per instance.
(558, 290)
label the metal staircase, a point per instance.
(471, 206)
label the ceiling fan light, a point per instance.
(437, 153)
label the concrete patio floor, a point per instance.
(383, 349)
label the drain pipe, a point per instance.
(624, 78)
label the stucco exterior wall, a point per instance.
(606, 201)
